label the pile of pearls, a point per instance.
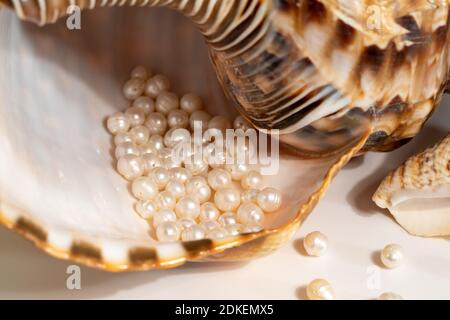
(187, 200)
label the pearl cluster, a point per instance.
(187, 200)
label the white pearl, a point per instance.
(234, 229)
(191, 102)
(249, 195)
(219, 178)
(202, 193)
(180, 174)
(144, 188)
(176, 188)
(252, 180)
(185, 223)
(217, 233)
(240, 123)
(156, 85)
(392, 256)
(210, 224)
(145, 103)
(166, 102)
(269, 199)
(130, 166)
(168, 231)
(315, 244)
(175, 136)
(208, 211)
(156, 123)
(160, 176)
(133, 88)
(199, 118)
(250, 213)
(140, 134)
(227, 199)
(219, 122)
(188, 207)
(178, 119)
(122, 138)
(237, 170)
(162, 216)
(251, 228)
(127, 148)
(118, 123)
(151, 161)
(165, 200)
(228, 218)
(389, 296)
(320, 289)
(195, 182)
(196, 165)
(146, 209)
(193, 233)
(140, 72)
(155, 143)
(136, 115)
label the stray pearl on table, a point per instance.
(320, 289)
(389, 296)
(133, 88)
(144, 188)
(118, 123)
(315, 244)
(154, 86)
(168, 231)
(130, 166)
(392, 256)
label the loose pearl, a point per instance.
(315, 244)
(392, 256)
(130, 166)
(145, 103)
(168, 231)
(193, 233)
(146, 209)
(217, 233)
(237, 170)
(240, 123)
(252, 180)
(390, 296)
(140, 72)
(227, 199)
(251, 228)
(219, 122)
(320, 289)
(178, 119)
(227, 219)
(166, 102)
(234, 229)
(162, 216)
(191, 102)
(151, 161)
(122, 138)
(185, 223)
(208, 211)
(175, 136)
(156, 85)
(219, 178)
(199, 117)
(127, 148)
(155, 143)
(249, 195)
(118, 123)
(210, 225)
(176, 188)
(160, 176)
(250, 213)
(140, 134)
(188, 207)
(136, 115)
(165, 200)
(180, 174)
(133, 88)
(156, 123)
(202, 193)
(269, 199)
(144, 188)
(196, 165)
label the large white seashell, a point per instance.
(418, 192)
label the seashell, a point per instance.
(418, 192)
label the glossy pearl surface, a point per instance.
(191, 102)
(227, 218)
(249, 195)
(122, 138)
(217, 233)
(176, 188)
(249, 213)
(208, 211)
(156, 123)
(140, 134)
(136, 116)
(130, 166)
(392, 256)
(165, 200)
(178, 119)
(202, 193)
(252, 180)
(166, 102)
(133, 88)
(146, 209)
(140, 72)
(168, 231)
(193, 233)
(219, 122)
(188, 207)
(127, 148)
(240, 123)
(144, 188)
(145, 103)
(219, 178)
(162, 216)
(227, 199)
(118, 123)
(199, 118)
(269, 199)
(185, 223)
(151, 161)
(160, 176)
(175, 136)
(180, 174)
(320, 289)
(315, 244)
(237, 170)
(154, 86)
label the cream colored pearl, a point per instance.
(156, 85)
(269, 199)
(133, 88)
(160, 176)
(252, 180)
(227, 199)
(130, 166)
(155, 143)
(176, 188)
(151, 161)
(140, 72)
(165, 200)
(210, 225)
(251, 228)
(180, 174)
(146, 209)
(178, 119)
(202, 193)
(217, 233)
(122, 138)
(193, 233)
(136, 115)
(156, 123)
(175, 136)
(145, 103)
(166, 102)
(219, 178)
(199, 118)
(163, 215)
(196, 165)
(165, 153)
(127, 148)
(191, 102)
(237, 170)
(234, 229)
(208, 211)
(219, 122)
(168, 232)
(195, 182)
(118, 123)
(240, 123)
(188, 207)
(320, 289)
(389, 296)
(185, 223)
(392, 256)
(144, 188)
(140, 134)
(228, 218)
(250, 213)
(249, 195)
(315, 243)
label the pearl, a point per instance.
(156, 123)
(140, 72)
(175, 136)
(165, 200)
(269, 199)
(251, 228)
(208, 211)
(389, 296)
(193, 233)
(163, 215)
(252, 180)
(191, 102)
(165, 153)
(140, 134)
(250, 213)
(217, 233)
(227, 199)
(144, 188)
(237, 170)
(234, 229)
(176, 188)
(320, 289)
(196, 165)
(145, 103)
(185, 223)
(178, 119)
(215, 158)
(167, 232)
(180, 174)
(133, 88)
(195, 182)
(219, 178)
(240, 123)
(219, 122)
(161, 176)
(392, 256)
(188, 207)
(199, 117)
(210, 225)
(227, 219)
(151, 161)
(156, 85)
(127, 148)
(249, 195)
(130, 166)
(118, 123)
(202, 193)
(146, 209)
(155, 143)
(315, 244)
(136, 115)
(122, 138)
(166, 102)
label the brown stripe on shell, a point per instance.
(196, 248)
(83, 249)
(146, 256)
(28, 227)
(344, 36)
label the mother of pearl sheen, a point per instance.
(136, 115)
(168, 231)
(315, 244)
(175, 136)
(250, 213)
(145, 103)
(178, 119)
(118, 123)
(392, 256)
(133, 88)
(320, 289)
(144, 188)
(191, 102)
(199, 118)
(156, 85)
(196, 232)
(227, 199)
(161, 176)
(208, 211)
(146, 209)
(130, 166)
(219, 178)
(188, 207)
(176, 188)
(166, 102)
(156, 123)
(165, 200)
(163, 215)
(269, 199)
(127, 148)
(252, 180)
(140, 134)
